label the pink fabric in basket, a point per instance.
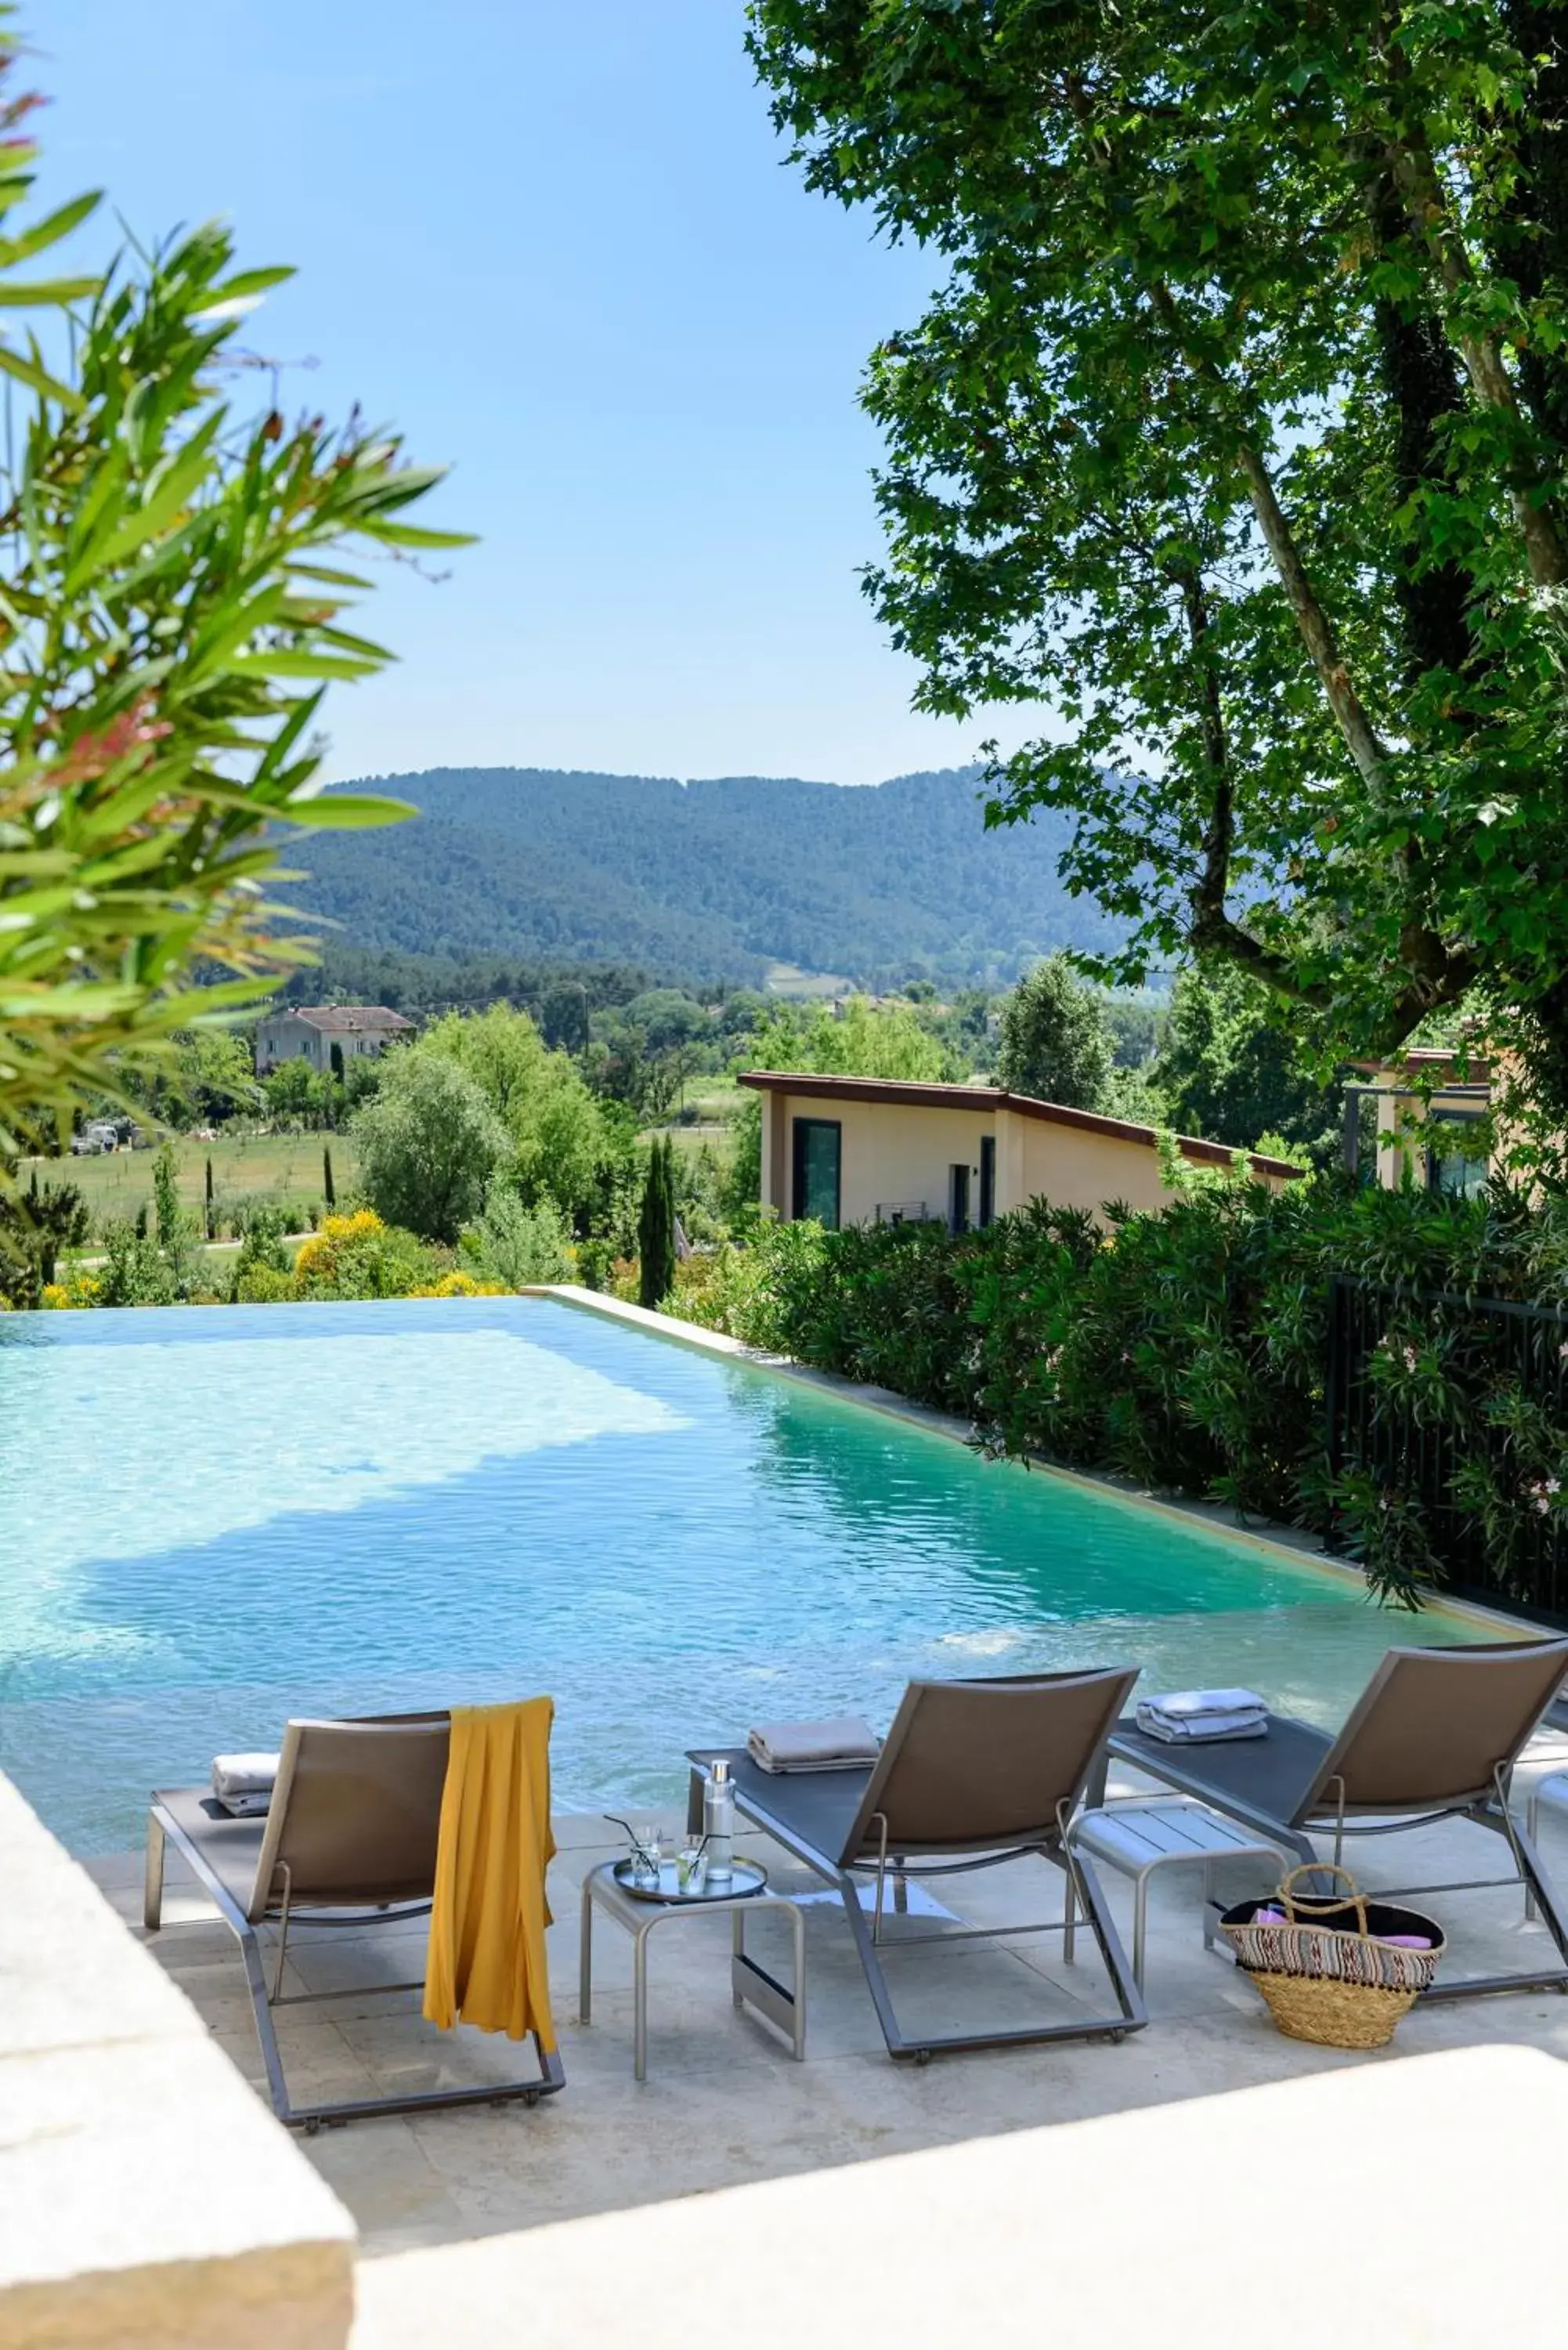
(1394, 1941)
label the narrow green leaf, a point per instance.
(282, 665)
(346, 811)
(38, 378)
(45, 289)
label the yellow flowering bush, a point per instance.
(461, 1284)
(82, 1289)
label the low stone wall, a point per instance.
(147, 2200)
(1403, 2205)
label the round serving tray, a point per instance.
(747, 1877)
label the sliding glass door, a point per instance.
(818, 1151)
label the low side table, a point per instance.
(751, 1985)
(1143, 1837)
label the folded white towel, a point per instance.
(244, 1775)
(254, 1807)
(843, 1742)
(1178, 1702)
(1209, 1731)
(1203, 1716)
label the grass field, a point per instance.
(715, 1103)
(283, 1166)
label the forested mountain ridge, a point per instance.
(724, 876)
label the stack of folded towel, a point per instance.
(242, 1783)
(843, 1743)
(1201, 1717)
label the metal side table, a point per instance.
(1145, 1835)
(751, 1985)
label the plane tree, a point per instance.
(1235, 436)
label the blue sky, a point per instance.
(554, 244)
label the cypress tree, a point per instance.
(211, 1232)
(656, 1227)
(328, 1187)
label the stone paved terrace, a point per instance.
(724, 2105)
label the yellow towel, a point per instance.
(486, 1964)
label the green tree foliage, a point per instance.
(1232, 1070)
(1136, 1023)
(857, 1039)
(428, 1145)
(516, 1246)
(1237, 435)
(1054, 1041)
(420, 985)
(656, 1227)
(173, 606)
(558, 1140)
(136, 1271)
(167, 1214)
(261, 1268)
(293, 1093)
(715, 879)
(34, 1229)
(203, 1079)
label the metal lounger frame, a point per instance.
(1082, 1884)
(162, 1829)
(1302, 1796)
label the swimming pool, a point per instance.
(212, 1518)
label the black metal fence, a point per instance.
(1467, 1436)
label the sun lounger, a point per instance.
(972, 1773)
(1434, 1736)
(349, 1841)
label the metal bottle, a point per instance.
(719, 1823)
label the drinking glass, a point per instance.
(645, 1858)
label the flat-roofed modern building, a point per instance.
(854, 1151)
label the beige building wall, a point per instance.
(1075, 1169)
(893, 1157)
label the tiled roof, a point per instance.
(346, 1019)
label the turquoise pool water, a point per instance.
(211, 1519)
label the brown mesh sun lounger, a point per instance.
(349, 1841)
(1434, 1736)
(974, 1773)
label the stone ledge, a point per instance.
(1412, 2203)
(147, 2198)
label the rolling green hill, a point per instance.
(723, 877)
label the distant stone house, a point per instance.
(862, 1150)
(309, 1030)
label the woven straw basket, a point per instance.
(1328, 1972)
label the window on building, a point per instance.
(1456, 1163)
(818, 1153)
(958, 1198)
(987, 1181)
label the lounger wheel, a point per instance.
(923, 2056)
